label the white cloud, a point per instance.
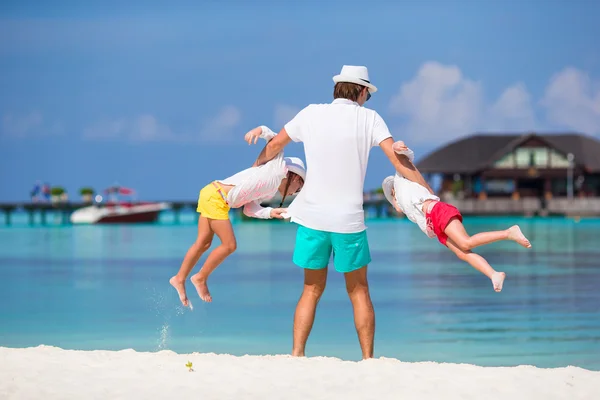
(147, 128)
(440, 104)
(283, 114)
(513, 111)
(572, 101)
(106, 129)
(142, 128)
(221, 128)
(31, 124)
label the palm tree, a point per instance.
(58, 194)
(86, 194)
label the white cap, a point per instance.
(387, 186)
(295, 165)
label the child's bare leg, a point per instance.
(224, 231)
(479, 263)
(202, 243)
(456, 231)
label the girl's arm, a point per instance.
(400, 148)
(255, 210)
(266, 133)
(262, 132)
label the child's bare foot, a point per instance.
(498, 280)
(201, 288)
(515, 234)
(179, 285)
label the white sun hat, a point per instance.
(295, 165)
(355, 74)
(388, 186)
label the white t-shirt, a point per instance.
(337, 140)
(257, 184)
(409, 196)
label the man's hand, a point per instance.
(276, 212)
(254, 134)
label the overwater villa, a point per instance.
(520, 173)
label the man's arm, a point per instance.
(402, 164)
(274, 147)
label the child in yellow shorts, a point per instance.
(248, 189)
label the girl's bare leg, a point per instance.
(224, 231)
(456, 231)
(202, 243)
(479, 263)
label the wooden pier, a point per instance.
(380, 206)
(64, 209)
(374, 205)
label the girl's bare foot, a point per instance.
(515, 234)
(201, 288)
(179, 285)
(498, 280)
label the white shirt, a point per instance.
(410, 197)
(256, 185)
(337, 140)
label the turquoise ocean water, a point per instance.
(106, 287)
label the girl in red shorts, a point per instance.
(444, 221)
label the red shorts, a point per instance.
(439, 217)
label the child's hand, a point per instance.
(276, 212)
(254, 134)
(399, 146)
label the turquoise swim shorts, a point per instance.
(314, 248)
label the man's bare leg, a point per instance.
(364, 315)
(224, 231)
(304, 317)
(479, 263)
(202, 243)
(456, 231)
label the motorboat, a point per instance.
(115, 211)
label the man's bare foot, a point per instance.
(515, 234)
(498, 280)
(179, 285)
(201, 288)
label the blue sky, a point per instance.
(158, 96)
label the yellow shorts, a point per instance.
(211, 202)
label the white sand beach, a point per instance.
(51, 373)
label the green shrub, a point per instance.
(57, 191)
(86, 190)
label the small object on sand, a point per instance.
(189, 366)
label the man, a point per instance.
(337, 140)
